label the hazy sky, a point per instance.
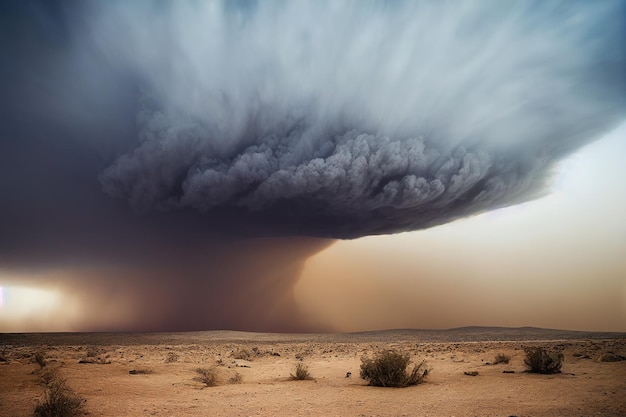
(191, 165)
(556, 262)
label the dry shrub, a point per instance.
(93, 355)
(171, 357)
(59, 400)
(501, 358)
(242, 354)
(611, 357)
(302, 372)
(48, 375)
(389, 369)
(542, 361)
(97, 360)
(206, 376)
(235, 379)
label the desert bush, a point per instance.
(302, 372)
(389, 369)
(501, 358)
(541, 361)
(242, 354)
(206, 376)
(59, 400)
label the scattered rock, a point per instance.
(508, 372)
(348, 374)
(140, 371)
(471, 373)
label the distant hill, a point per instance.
(484, 333)
(456, 335)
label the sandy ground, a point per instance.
(586, 387)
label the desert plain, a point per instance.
(155, 374)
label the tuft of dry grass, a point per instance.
(207, 376)
(59, 400)
(389, 369)
(235, 379)
(302, 373)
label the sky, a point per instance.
(312, 166)
(556, 262)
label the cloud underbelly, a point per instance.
(347, 121)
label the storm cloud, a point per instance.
(186, 157)
(349, 120)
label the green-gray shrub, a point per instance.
(542, 361)
(302, 372)
(389, 369)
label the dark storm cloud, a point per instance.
(353, 120)
(140, 142)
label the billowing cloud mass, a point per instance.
(363, 119)
(144, 143)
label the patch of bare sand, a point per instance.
(264, 362)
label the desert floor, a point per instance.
(587, 385)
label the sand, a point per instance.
(587, 386)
